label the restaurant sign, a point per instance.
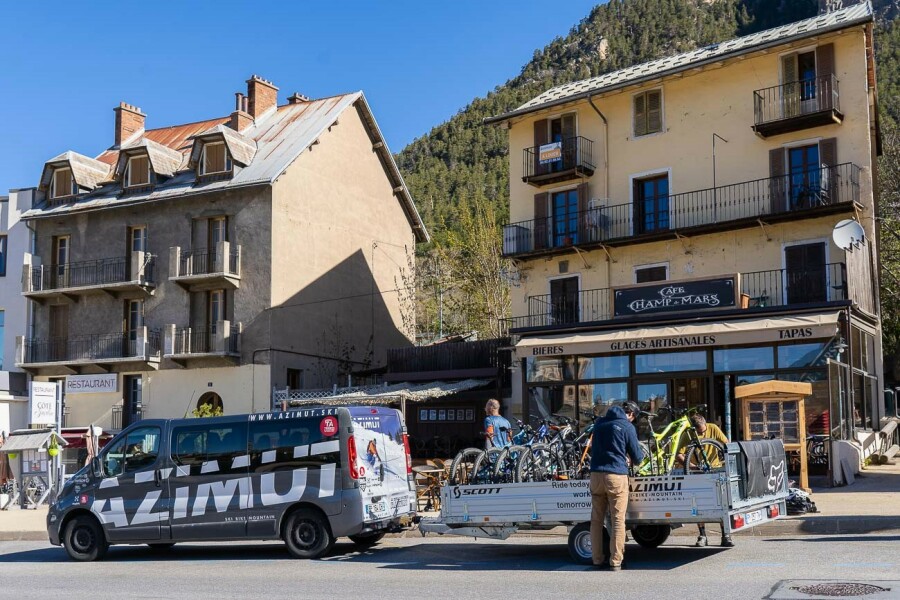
(690, 295)
(550, 153)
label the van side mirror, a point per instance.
(96, 468)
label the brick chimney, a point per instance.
(827, 6)
(129, 121)
(297, 98)
(240, 118)
(262, 96)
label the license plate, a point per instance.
(755, 517)
(376, 508)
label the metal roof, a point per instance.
(26, 439)
(839, 19)
(279, 137)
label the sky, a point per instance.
(65, 65)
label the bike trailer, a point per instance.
(751, 489)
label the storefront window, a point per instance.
(550, 368)
(669, 362)
(602, 367)
(801, 355)
(745, 378)
(744, 359)
(817, 405)
(545, 401)
(604, 395)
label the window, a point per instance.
(133, 395)
(273, 443)
(3, 256)
(137, 239)
(651, 204)
(799, 69)
(801, 355)
(550, 369)
(648, 113)
(62, 184)
(603, 367)
(651, 273)
(564, 300)
(744, 359)
(211, 447)
(214, 158)
(214, 401)
(670, 361)
(805, 274)
(138, 171)
(134, 318)
(294, 379)
(135, 451)
(805, 176)
(216, 309)
(565, 218)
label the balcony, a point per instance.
(812, 193)
(139, 348)
(759, 289)
(121, 417)
(219, 341)
(572, 158)
(133, 275)
(796, 106)
(202, 269)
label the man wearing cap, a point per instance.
(614, 441)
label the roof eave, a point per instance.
(686, 67)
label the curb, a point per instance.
(23, 536)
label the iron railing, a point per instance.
(204, 261)
(202, 340)
(575, 152)
(103, 346)
(782, 287)
(104, 271)
(120, 418)
(803, 190)
(796, 99)
(777, 287)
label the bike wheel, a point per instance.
(461, 468)
(542, 463)
(704, 456)
(505, 469)
(483, 470)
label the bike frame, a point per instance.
(663, 455)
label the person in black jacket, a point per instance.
(614, 442)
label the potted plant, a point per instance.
(53, 448)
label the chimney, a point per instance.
(240, 118)
(297, 98)
(262, 96)
(827, 6)
(129, 121)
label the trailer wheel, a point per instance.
(651, 536)
(580, 543)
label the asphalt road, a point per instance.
(445, 567)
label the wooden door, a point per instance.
(59, 332)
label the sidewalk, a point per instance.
(870, 505)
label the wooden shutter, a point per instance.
(828, 152)
(582, 213)
(825, 60)
(570, 144)
(654, 111)
(790, 101)
(541, 224)
(541, 137)
(778, 181)
(640, 115)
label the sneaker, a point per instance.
(701, 541)
(602, 566)
(614, 568)
(727, 542)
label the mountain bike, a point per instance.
(700, 456)
(543, 460)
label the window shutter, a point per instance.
(825, 60)
(568, 127)
(541, 225)
(791, 87)
(654, 111)
(828, 152)
(777, 183)
(640, 115)
(541, 137)
(789, 69)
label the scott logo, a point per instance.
(478, 491)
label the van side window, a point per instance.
(291, 444)
(136, 451)
(194, 445)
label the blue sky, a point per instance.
(65, 65)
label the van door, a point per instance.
(131, 498)
(381, 455)
(209, 488)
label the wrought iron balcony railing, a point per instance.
(90, 274)
(204, 261)
(571, 157)
(138, 345)
(718, 206)
(220, 338)
(808, 103)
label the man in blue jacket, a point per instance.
(614, 441)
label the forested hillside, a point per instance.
(459, 173)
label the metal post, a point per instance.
(715, 191)
(728, 409)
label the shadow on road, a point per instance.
(839, 538)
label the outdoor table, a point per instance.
(435, 477)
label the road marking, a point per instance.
(754, 564)
(879, 565)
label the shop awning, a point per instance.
(683, 337)
(385, 394)
(19, 441)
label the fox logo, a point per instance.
(776, 477)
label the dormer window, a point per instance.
(214, 159)
(138, 171)
(62, 184)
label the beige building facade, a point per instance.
(703, 190)
(207, 263)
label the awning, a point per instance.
(18, 441)
(773, 388)
(748, 331)
(382, 394)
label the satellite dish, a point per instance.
(847, 234)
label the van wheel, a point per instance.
(84, 540)
(307, 534)
(367, 540)
(651, 536)
(161, 547)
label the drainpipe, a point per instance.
(606, 176)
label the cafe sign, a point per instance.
(702, 294)
(550, 153)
